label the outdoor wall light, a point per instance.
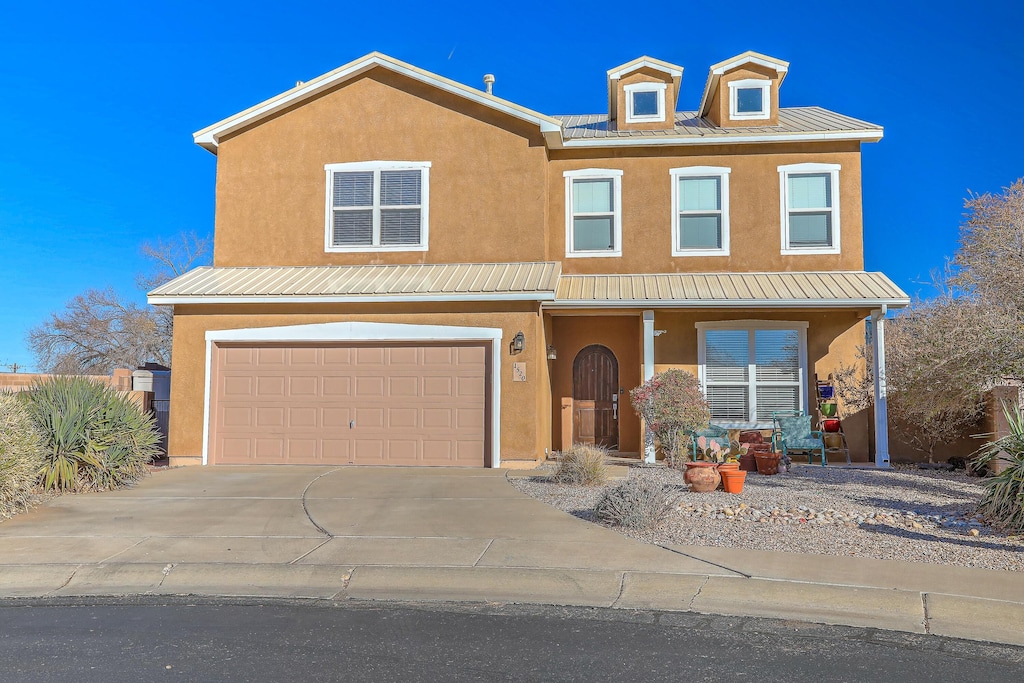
(518, 343)
(552, 352)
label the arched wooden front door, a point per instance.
(595, 396)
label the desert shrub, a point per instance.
(636, 503)
(21, 455)
(671, 404)
(582, 464)
(1003, 501)
(95, 438)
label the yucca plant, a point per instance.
(21, 454)
(1003, 500)
(95, 437)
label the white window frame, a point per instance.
(377, 166)
(615, 175)
(658, 88)
(752, 326)
(722, 173)
(766, 102)
(784, 173)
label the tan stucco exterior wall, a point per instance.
(755, 215)
(622, 334)
(488, 193)
(525, 410)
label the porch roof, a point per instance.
(826, 289)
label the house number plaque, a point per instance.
(519, 372)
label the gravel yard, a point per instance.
(902, 514)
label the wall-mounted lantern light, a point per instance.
(552, 352)
(518, 343)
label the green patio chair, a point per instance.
(793, 433)
(712, 433)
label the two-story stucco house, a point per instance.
(411, 271)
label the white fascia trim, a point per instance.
(753, 325)
(633, 66)
(732, 303)
(361, 332)
(713, 139)
(171, 300)
(722, 172)
(784, 171)
(616, 176)
(766, 99)
(658, 88)
(422, 166)
(776, 66)
(209, 137)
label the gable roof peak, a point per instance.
(209, 137)
(716, 71)
(673, 70)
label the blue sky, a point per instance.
(98, 103)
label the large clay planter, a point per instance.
(703, 477)
(768, 463)
(732, 480)
(748, 463)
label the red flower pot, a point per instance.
(830, 425)
(732, 480)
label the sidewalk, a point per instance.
(454, 535)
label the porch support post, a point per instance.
(648, 373)
(881, 405)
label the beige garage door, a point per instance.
(414, 404)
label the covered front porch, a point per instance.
(758, 343)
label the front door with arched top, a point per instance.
(595, 396)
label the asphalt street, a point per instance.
(220, 640)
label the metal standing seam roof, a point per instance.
(535, 281)
(731, 290)
(792, 121)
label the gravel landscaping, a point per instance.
(901, 514)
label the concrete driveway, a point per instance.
(452, 534)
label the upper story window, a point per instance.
(645, 102)
(377, 206)
(700, 211)
(750, 99)
(593, 213)
(810, 208)
(750, 369)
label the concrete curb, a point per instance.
(956, 616)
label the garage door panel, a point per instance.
(402, 404)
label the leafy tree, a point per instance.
(100, 329)
(670, 404)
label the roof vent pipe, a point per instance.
(489, 83)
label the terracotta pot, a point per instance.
(748, 463)
(702, 477)
(768, 463)
(728, 466)
(749, 436)
(732, 480)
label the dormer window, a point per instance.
(645, 102)
(750, 99)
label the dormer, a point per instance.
(642, 94)
(744, 91)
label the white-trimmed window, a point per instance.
(810, 208)
(750, 99)
(593, 212)
(700, 211)
(645, 102)
(749, 369)
(378, 206)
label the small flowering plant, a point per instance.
(671, 403)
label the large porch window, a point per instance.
(752, 368)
